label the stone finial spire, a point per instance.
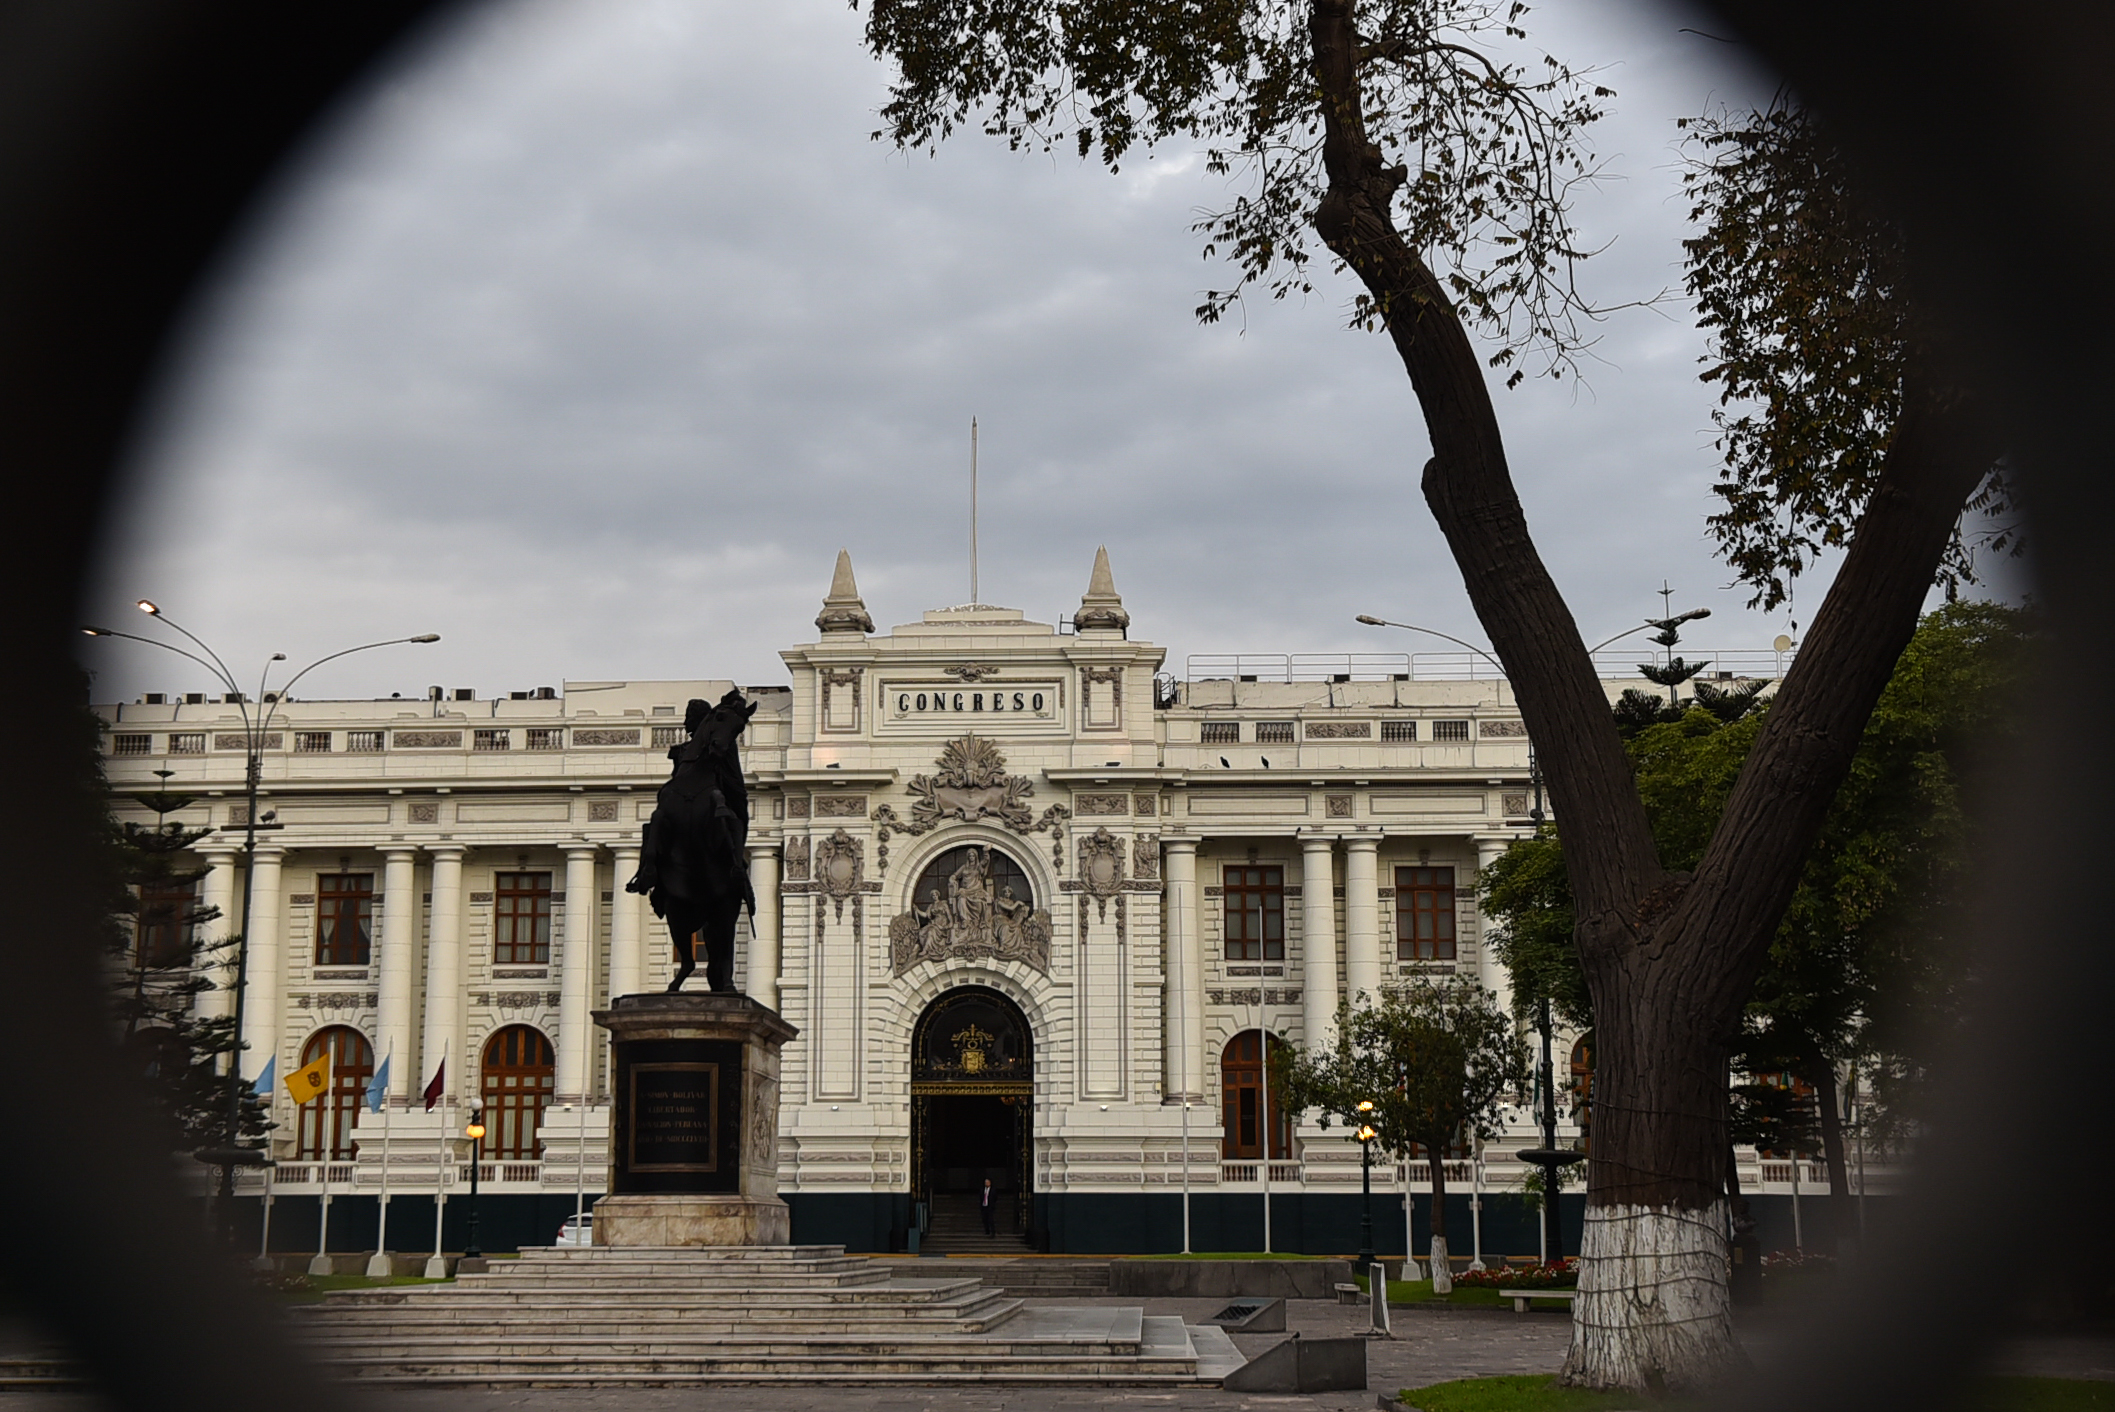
(843, 609)
(1101, 609)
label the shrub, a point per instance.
(1563, 1274)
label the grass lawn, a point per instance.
(307, 1289)
(1420, 1292)
(1232, 1255)
(1540, 1394)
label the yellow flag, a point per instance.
(311, 1081)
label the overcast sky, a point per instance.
(589, 336)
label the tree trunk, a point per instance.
(1823, 1078)
(1442, 1269)
(1670, 959)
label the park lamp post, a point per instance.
(475, 1131)
(1366, 1134)
(232, 1154)
(1549, 1157)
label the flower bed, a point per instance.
(1562, 1275)
(1785, 1262)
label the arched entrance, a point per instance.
(516, 1085)
(325, 1131)
(973, 1106)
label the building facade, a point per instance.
(1032, 902)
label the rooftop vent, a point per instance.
(194, 698)
(466, 693)
(546, 693)
(154, 698)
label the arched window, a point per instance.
(518, 1078)
(326, 1125)
(1241, 1094)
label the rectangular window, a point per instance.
(1424, 914)
(546, 738)
(1255, 913)
(491, 739)
(1450, 730)
(521, 919)
(188, 743)
(1274, 732)
(132, 745)
(162, 930)
(1398, 730)
(312, 742)
(1222, 732)
(363, 742)
(345, 918)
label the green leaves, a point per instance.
(1486, 132)
(1802, 289)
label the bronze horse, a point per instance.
(693, 866)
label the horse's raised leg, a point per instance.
(722, 917)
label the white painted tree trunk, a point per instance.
(1654, 1313)
(1442, 1271)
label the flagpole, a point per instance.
(437, 1267)
(378, 1264)
(269, 1092)
(326, 1146)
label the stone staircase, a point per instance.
(956, 1227)
(1025, 1277)
(648, 1316)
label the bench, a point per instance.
(1348, 1294)
(1520, 1297)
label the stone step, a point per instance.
(982, 1315)
(661, 1372)
(636, 1279)
(526, 1303)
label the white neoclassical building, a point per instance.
(1031, 900)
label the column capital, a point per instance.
(575, 847)
(1317, 843)
(1362, 842)
(397, 850)
(447, 850)
(756, 847)
(1179, 845)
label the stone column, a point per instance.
(1182, 1022)
(627, 962)
(218, 890)
(399, 960)
(1318, 939)
(1362, 919)
(1489, 974)
(764, 948)
(444, 977)
(576, 976)
(266, 964)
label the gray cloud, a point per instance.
(591, 335)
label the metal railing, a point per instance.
(1612, 664)
(1811, 1174)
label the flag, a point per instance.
(433, 1090)
(311, 1081)
(378, 1086)
(262, 1084)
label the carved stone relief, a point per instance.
(426, 813)
(425, 740)
(602, 811)
(1144, 805)
(796, 806)
(797, 859)
(1503, 730)
(1102, 868)
(1514, 805)
(605, 735)
(975, 920)
(1112, 804)
(1340, 730)
(1145, 855)
(840, 868)
(840, 806)
(971, 671)
(1338, 805)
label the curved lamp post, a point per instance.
(233, 1154)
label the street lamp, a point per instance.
(1372, 622)
(1549, 1157)
(1366, 1134)
(231, 1154)
(475, 1131)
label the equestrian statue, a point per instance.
(693, 865)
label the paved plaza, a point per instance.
(1429, 1346)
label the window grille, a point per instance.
(1450, 730)
(491, 740)
(188, 743)
(363, 742)
(665, 736)
(312, 742)
(1222, 732)
(1274, 732)
(1398, 730)
(132, 745)
(546, 738)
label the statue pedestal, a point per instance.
(694, 1122)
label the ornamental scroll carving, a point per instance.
(970, 671)
(840, 868)
(975, 920)
(971, 784)
(1102, 868)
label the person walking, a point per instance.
(991, 1215)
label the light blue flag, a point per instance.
(378, 1086)
(262, 1087)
